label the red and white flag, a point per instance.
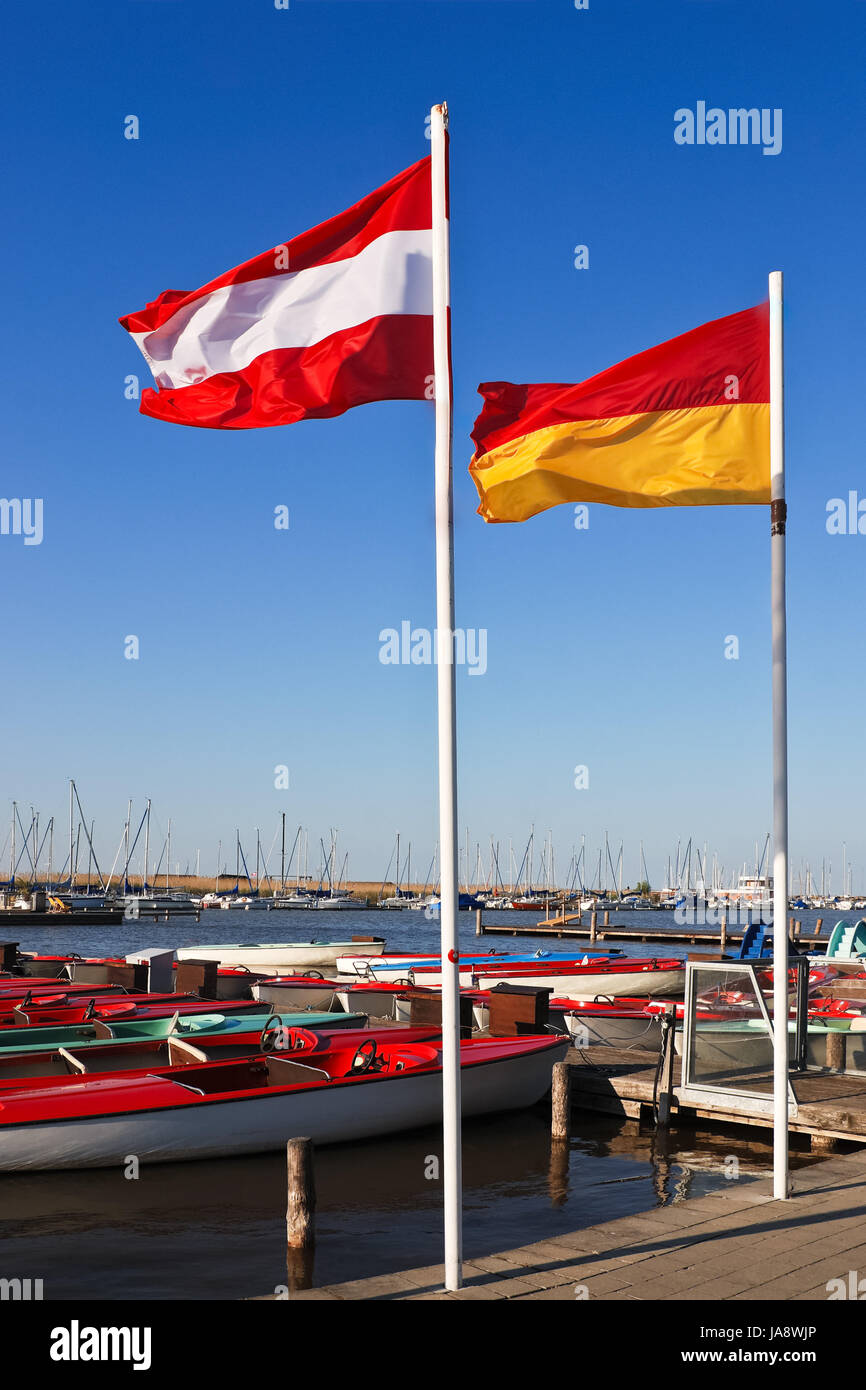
(338, 316)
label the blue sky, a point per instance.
(259, 647)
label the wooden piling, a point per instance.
(560, 1108)
(667, 1066)
(818, 925)
(301, 1209)
(606, 921)
(723, 932)
(836, 1049)
(593, 924)
(479, 930)
(823, 1143)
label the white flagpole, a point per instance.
(451, 1157)
(780, 743)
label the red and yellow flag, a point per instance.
(684, 424)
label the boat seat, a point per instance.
(181, 1053)
(74, 1063)
(284, 1071)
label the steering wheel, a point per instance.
(271, 1032)
(364, 1058)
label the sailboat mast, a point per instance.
(146, 845)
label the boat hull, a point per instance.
(308, 995)
(271, 959)
(590, 1030)
(614, 985)
(339, 1112)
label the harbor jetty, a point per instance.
(737, 1245)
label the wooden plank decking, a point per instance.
(830, 1106)
(737, 1245)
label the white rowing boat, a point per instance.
(274, 958)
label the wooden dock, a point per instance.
(737, 1245)
(831, 1106)
(681, 937)
(560, 929)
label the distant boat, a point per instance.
(401, 898)
(301, 898)
(169, 904)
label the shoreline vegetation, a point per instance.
(364, 889)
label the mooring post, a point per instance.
(479, 930)
(560, 1133)
(723, 932)
(606, 918)
(818, 925)
(593, 924)
(669, 1028)
(301, 1209)
(300, 1214)
(560, 1105)
(836, 1049)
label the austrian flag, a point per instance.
(336, 317)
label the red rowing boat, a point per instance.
(335, 1092)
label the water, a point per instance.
(216, 1230)
(403, 931)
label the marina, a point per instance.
(431, 864)
(613, 1092)
(729, 1245)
